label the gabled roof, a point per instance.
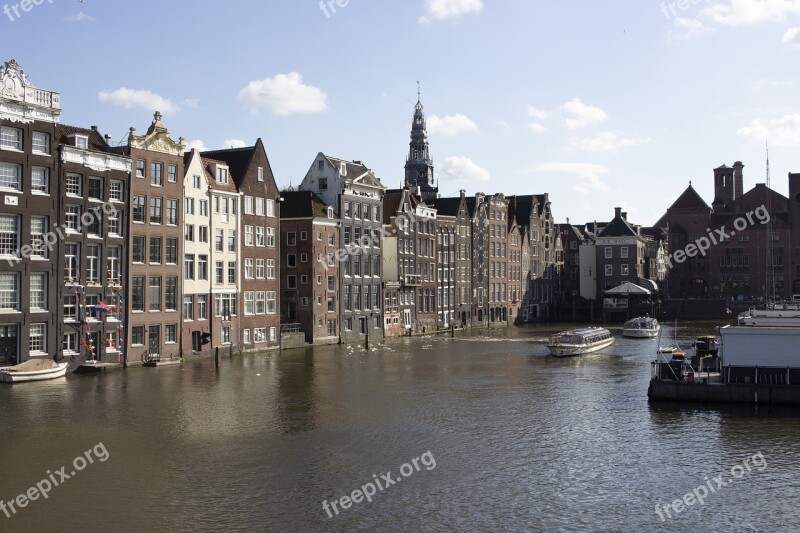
(96, 141)
(618, 228)
(237, 159)
(353, 169)
(520, 208)
(211, 179)
(393, 199)
(689, 200)
(302, 204)
(446, 206)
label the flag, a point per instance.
(102, 308)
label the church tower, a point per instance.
(419, 165)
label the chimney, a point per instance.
(738, 180)
(108, 139)
(625, 216)
(617, 212)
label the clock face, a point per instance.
(422, 173)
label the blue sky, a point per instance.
(619, 102)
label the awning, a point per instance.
(648, 284)
(628, 289)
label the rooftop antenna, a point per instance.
(419, 92)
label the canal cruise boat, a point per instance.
(580, 341)
(643, 327)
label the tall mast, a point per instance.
(770, 289)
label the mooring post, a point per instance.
(216, 357)
(366, 340)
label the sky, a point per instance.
(598, 103)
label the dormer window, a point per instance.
(222, 174)
(330, 212)
(82, 142)
(343, 169)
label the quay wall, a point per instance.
(742, 393)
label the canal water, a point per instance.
(504, 438)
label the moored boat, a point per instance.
(33, 370)
(643, 327)
(580, 341)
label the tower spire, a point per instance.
(419, 165)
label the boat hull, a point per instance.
(641, 333)
(573, 350)
(57, 371)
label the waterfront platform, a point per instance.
(96, 368)
(717, 392)
(166, 362)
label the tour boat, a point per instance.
(33, 370)
(642, 327)
(580, 341)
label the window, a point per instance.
(155, 210)
(219, 237)
(260, 173)
(226, 335)
(172, 251)
(94, 229)
(172, 173)
(232, 272)
(96, 188)
(71, 261)
(331, 283)
(260, 207)
(225, 305)
(73, 184)
(155, 250)
(249, 303)
(137, 336)
(608, 252)
(202, 267)
(291, 260)
(203, 208)
(138, 249)
(139, 203)
(270, 269)
(270, 207)
(93, 258)
(38, 230)
(273, 334)
(10, 138)
(196, 181)
(188, 233)
(260, 236)
(188, 267)
(140, 168)
(331, 239)
(189, 203)
(291, 239)
(260, 335)
(202, 307)
(69, 343)
(248, 205)
(171, 333)
(172, 212)
(304, 258)
(232, 240)
(609, 270)
(9, 291)
(114, 225)
(623, 252)
(9, 235)
(249, 240)
(10, 177)
(319, 235)
(271, 237)
(291, 282)
(323, 184)
(624, 270)
(246, 336)
(171, 294)
(137, 294)
(156, 174)
(219, 272)
(40, 180)
(272, 298)
(38, 336)
(202, 234)
(259, 269)
(249, 271)
(114, 263)
(222, 174)
(154, 294)
(260, 303)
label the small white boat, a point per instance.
(642, 327)
(33, 370)
(668, 349)
(580, 341)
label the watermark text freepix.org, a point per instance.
(26, 6)
(329, 6)
(371, 488)
(703, 244)
(53, 480)
(711, 486)
(670, 9)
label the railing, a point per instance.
(293, 327)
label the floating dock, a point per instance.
(741, 393)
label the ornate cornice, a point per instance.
(95, 161)
(22, 102)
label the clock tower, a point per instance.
(419, 165)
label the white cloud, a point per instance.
(537, 113)
(233, 143)
(583, 115)
(463, 169)
(768, 83)
(606, 141)
(80, 16)
(792, 37)
(448, 9)
(130, 98)
(537, 128)
(283, 95)
(688, 30)
(199, 144)
(451, 125)
(747, 12)
(588, 173)
(783, 131)
(193, 103)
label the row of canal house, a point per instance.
(114, 253)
